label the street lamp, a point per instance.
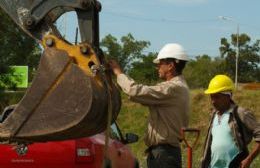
(237, 47)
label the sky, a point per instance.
(195, 24)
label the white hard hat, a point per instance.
(172, 50)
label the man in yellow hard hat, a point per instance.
(231, 129)
(168, 104)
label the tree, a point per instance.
(130, 55)
(248, 60)
(126, 51)
(199, 72)
(16, 48)
(144, 70)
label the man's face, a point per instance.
(220, 101)
(164, 68)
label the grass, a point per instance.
(132, 118)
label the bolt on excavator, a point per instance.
(72, 93)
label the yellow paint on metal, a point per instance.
(74, 51)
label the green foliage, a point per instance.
(199, 72)
(9, 98)
(8, 81)
(126, 51)
(248, 60)
(16, 47)
(133, 118)
(129, 53)
(145, 70)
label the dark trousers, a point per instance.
(163, 156)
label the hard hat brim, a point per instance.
(156, 61)
(213, 91)
(209, 92)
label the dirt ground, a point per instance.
(250, 86)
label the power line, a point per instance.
(160, 19)
(170, 20)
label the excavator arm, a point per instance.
(37, 17)
(72, 93)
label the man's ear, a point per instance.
(171, 66)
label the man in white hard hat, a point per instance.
(168, 104)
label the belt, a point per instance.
(149, 149)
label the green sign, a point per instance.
(20, 76)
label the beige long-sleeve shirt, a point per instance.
(168, 104)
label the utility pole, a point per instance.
(237, 47)
(237, 54)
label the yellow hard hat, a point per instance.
(220, 83)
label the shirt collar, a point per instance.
(179, 77)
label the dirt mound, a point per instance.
(251, 86)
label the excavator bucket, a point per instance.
(69, 97)
(72, 94)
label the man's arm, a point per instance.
(252, 155)
(251, 123)
(147, 95)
